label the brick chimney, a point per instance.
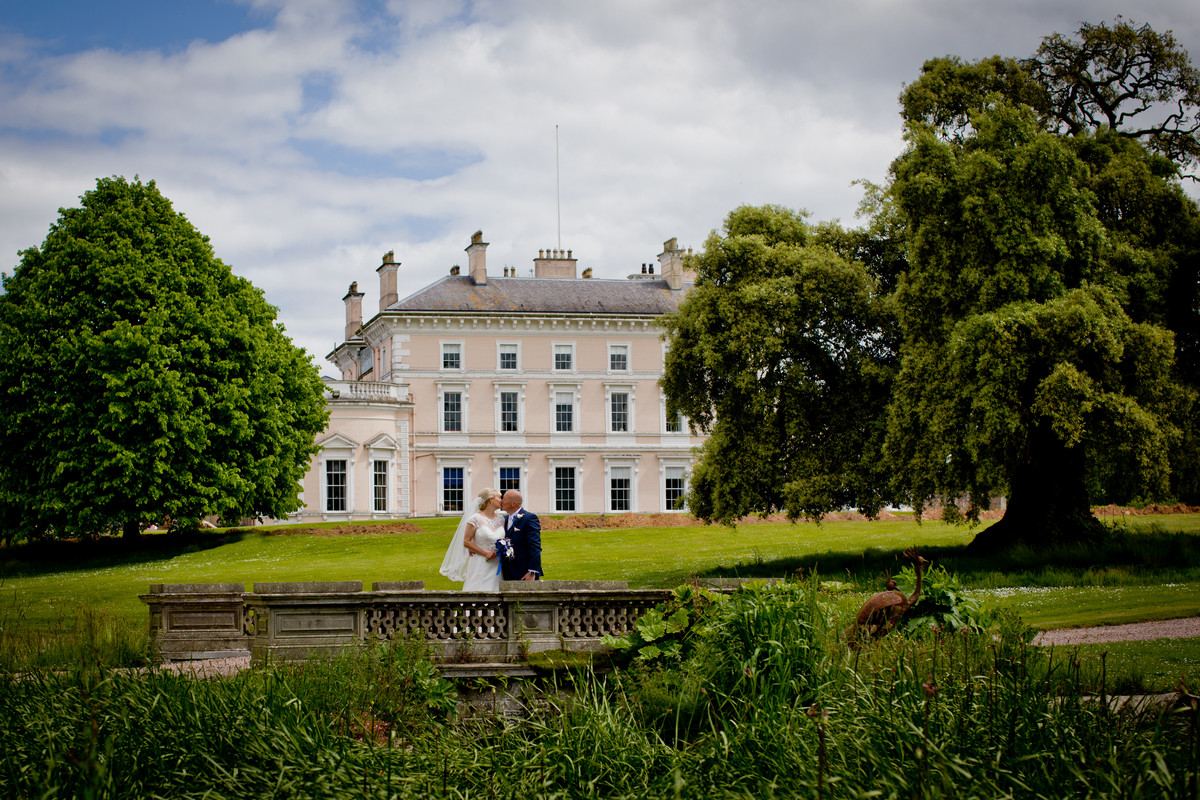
(387, 280)
(477, 259)
(353, 300)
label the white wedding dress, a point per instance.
(484, 575)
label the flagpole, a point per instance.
(557, 189)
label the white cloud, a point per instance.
(670, 114)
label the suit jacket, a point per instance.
(526, 537)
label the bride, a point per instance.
(471, 556)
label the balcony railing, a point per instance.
(366, 391)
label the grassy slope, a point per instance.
(40, 590)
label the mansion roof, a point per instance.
(543, 296)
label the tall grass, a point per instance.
(90, 636)
(776, 706)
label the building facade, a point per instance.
(547, 384)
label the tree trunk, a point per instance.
(131, 531)
(1048, 502)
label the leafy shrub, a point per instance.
(942, 604)
(664, 633)
(703, 654)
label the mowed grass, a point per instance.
(41, 586)
(1156, 665)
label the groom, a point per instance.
(525, 532)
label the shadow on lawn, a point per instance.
(31, 559)
(1124, 556)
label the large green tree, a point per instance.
(1028, 327)
(1125, 100)
(783, 352)
(1021, 364)
(142, 380)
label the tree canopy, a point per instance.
(142, 380)
(1127, 79)
(782, 350)
(1024, 319)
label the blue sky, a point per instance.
(66, 26)
(307, 138)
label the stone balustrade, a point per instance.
(286, 621)
(366, 391)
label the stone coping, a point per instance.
(447, 597)
(487, 669)
(415, 590)
(561, 586)
(197, 588)
(309, 587)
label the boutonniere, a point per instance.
(518, 515)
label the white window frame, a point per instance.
(383, 448)
(500, 348)
(620, 347)
(665, 465)
(510, 461)
(443, 344)
(630, 390)
(630, 462)
(337, 448)
(498, 390)
(345, 487)
(575, 390)
(455, 461)
(554, 349)
(387, 485)
(462, 389)
(662, 415)
(554, 462)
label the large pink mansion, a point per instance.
(548, 384)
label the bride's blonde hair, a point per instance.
(485, 496)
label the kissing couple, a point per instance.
(496, 537)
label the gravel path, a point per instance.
(207, 668)
(1188, 627)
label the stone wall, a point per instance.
(287, 621)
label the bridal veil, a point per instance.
(454, 565)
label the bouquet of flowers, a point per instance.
(504, 549)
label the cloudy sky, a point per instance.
(308, 137)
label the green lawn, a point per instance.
(1152, 666)
(38, 587)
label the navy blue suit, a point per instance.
(526, 537)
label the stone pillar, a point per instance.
(196, 620)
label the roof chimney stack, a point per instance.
(387, 280)
(353, 300)
(477, 259)
(555, 263)
(670, 263)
